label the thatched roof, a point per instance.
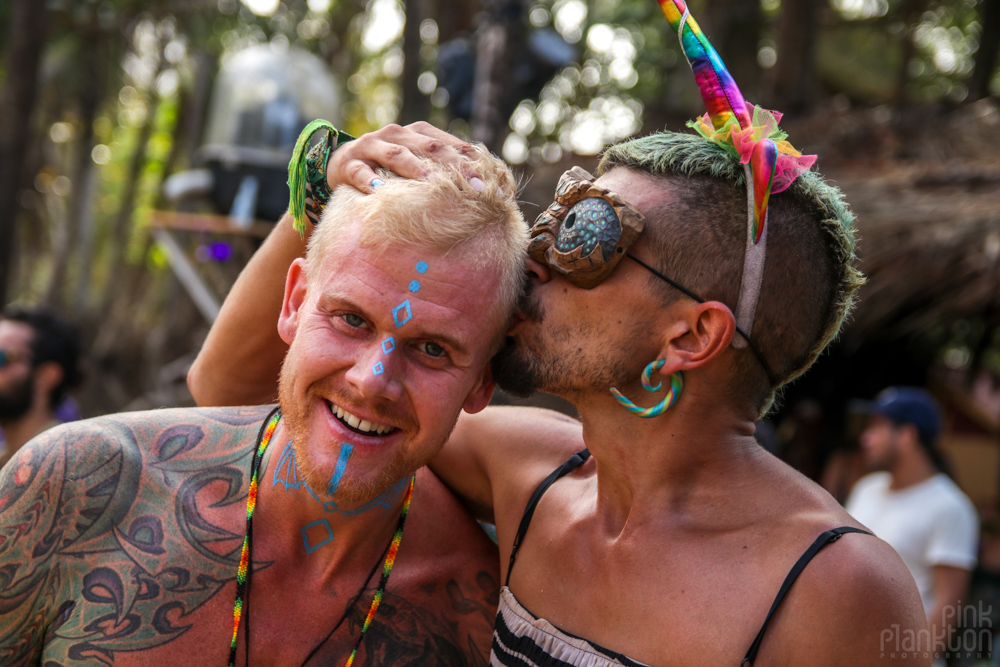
(930, 246)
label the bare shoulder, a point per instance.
(453, 580)
(855, 603)
(519, 441)
(105, 518)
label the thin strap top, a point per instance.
(578, 459)
(569, 466)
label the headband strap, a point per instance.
(748, 132)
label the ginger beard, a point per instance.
(354, 489)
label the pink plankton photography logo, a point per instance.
(971, 637)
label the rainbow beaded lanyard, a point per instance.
(243, 572)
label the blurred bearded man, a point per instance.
(39, 364)
(155, 538)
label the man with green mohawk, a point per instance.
(706, 272)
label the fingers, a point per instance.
(397, 149)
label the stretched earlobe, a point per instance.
(676, 386)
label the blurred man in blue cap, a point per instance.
(914, 506)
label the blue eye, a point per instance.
(591, 223)
(432, 349)
(354, 320)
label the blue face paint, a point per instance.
(421, 267)
(402, 314)
(388, 345)
(287, 472)
(345, 451)
(414, 285)
(378, 368)
(321, 534)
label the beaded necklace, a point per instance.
(243, 573)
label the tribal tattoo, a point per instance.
(105, 545)
(114, 531)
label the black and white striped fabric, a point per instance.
(522, 640)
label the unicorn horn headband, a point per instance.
(750, 133)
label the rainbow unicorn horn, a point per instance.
(770, 163)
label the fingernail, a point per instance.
(377, 182)
(476, 184)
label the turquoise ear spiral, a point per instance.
(676, 386)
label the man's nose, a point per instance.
(538, 273)
(376, 374)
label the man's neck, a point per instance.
(19, 431)
(303, 527)
(672, 464)
(911, 471)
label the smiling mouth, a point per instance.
(358, 425)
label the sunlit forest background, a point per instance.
(104, 100)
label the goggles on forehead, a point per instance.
(586, 232)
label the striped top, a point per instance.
(523, 640)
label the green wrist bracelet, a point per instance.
(309, 190)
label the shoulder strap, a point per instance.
(824, 539)
(569, 466)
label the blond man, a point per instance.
(122, 538)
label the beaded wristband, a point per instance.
(307, 173)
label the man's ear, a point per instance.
(48, 375)
(296, 289)
(481, 393)
(702, 332)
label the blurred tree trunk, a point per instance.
(82, 174)
(416, 105)
(121, 230)
(793, 78)
(17, 99)
(734, 28)
(454, 18)
(989, 49)
(496, 48)
(909, 13)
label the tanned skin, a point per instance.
(671, 542)
(120, 538)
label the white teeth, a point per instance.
(358, 423)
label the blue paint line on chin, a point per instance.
(345, 451)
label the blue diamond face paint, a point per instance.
(402, 314)
(345, 452)
(316, 534)
(378, 368)
(388, 345)
(592, 222)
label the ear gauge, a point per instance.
(676, 386)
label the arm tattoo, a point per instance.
(103, 543)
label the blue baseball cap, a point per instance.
(906, 405)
